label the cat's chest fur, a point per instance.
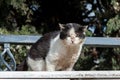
(62, 55)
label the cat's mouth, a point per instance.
(72, 41)
(76, 41)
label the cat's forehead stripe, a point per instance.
(72, 31)
(75, 26)
(71, 24)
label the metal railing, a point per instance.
(30, 39)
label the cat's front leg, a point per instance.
(69, 69)
(49, 65)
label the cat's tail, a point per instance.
(23, 66)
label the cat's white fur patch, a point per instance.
(72, 32)
(36, 65)
(55, 47)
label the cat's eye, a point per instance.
(77, 34)
(68, 35)
(82, 36)
(67, 27)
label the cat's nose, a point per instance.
(72, 37)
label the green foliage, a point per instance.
(84, 63)
(26, 30)
(19, 17)
(3, 31)
(113, 24)
(20, 52)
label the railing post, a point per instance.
(10, 66)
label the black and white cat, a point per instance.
(57, 51)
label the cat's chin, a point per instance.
(72, 43)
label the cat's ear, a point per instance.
(84, 28)
(61, 26)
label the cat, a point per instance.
(58, 50)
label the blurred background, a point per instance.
(34, 17)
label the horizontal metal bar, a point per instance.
(60, 74)
(19, 39)
(102, 42)
(90, 41)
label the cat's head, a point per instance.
(72, 33)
